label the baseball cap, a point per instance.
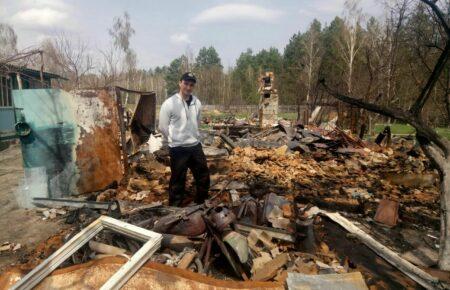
(188, 77)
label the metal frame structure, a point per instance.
(152, 239)
(122, 123)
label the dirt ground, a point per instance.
(18, 226)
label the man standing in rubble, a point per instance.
(179, 119)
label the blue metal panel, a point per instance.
(51, 143)
(7, 119)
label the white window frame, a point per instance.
(152, 243)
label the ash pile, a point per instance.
(271, 213)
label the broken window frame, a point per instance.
(152, 243)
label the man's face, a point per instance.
(187, 87)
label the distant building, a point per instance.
(16, 78)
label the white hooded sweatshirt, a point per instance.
(178, 121)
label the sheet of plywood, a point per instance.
(154, 276)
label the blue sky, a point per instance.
(165, 28)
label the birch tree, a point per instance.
(312, 49)
(351, 40)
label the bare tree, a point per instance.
(190, 59)
(68, 57)
(121, 33)
(397, 10)
(381, 50)
(436, 147)
(426, 46)
(110, 66)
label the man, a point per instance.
(179, 119)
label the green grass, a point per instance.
(398, 129)
(405, 129)
(444, 132)
(288, 116)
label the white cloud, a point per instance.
(57, 4)
(180, 38)
(234, 12)
(43, 17)
(34, 20)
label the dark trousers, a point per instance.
(182, 158)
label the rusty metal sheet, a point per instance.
(387, 212)
(180, 223)
(98, 154)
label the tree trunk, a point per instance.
(447, 104)
(444, 248)
(370, 130)
(437, 156)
